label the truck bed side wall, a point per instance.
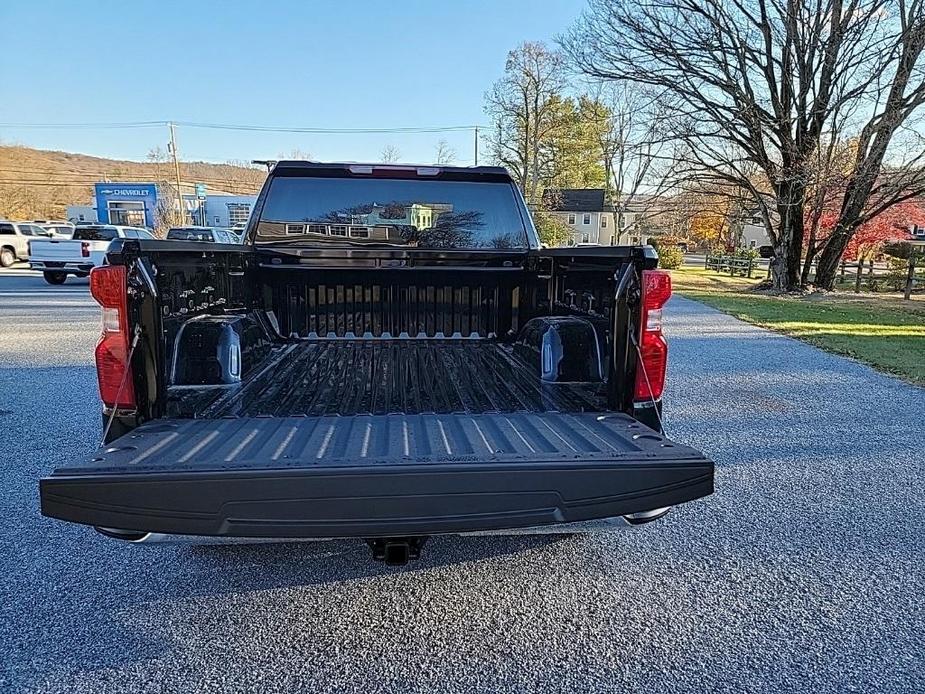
(189, 279)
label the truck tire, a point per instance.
(7, 257)
(55, 277)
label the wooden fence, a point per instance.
(730, 264)
(858, 271)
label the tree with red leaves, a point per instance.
(890, 225)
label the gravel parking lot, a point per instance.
(804, 572)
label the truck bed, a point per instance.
(352, 377)
(378, 438)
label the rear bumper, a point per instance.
(600, 525)
(60, 266)
(372, 501)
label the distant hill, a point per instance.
(40, 184)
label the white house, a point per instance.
(752, 232)
(586, 212)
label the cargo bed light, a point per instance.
(653, 350)
(392, 170)
(108, 287)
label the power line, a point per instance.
(329, 131)
(236, 187)
(88, 126)
(246, 127)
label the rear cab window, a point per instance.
(422, 212)
(95, 234)
(190, 235)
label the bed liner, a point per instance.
(375, 376)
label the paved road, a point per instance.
(804, 572)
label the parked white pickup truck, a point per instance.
(57, 258)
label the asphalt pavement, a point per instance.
(805, 571)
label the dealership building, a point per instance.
(136, 204)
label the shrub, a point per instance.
(552, 230)
(670, 257)
(899, 249)
(896, 276)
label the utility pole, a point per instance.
(476, 145)
(176, 167)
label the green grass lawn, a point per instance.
(883, 331)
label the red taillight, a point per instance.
(108, 287)
(650, 374)
(85, 249)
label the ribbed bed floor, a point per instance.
(351, 377)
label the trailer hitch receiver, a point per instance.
(396, 551)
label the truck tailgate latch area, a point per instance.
(396, 551)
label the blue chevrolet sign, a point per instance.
(132, 204)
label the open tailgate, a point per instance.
(375, 475)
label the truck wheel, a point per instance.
(55, 277)
(6, 257)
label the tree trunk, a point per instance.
(811, 251)
(778, 267)
(807, 263)
(827, 263)
(788, 247)
(910, 279)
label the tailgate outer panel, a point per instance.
(375, 475)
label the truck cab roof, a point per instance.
(296, 166)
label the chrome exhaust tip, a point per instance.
(646, 516)
(124, 535)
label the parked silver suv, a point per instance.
(14, 240)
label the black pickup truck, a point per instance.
(389, 355)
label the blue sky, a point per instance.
(346, 64)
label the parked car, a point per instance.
(58, 228)
(57, 258)
(209, 234)
(369, 377)
(15, 238)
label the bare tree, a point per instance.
(244, 175)
(757, 83)
(878, 181)
(390, 154)
(166, 214)
(635, 152)
(296, 154)
(443, 153)
(524, 106)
